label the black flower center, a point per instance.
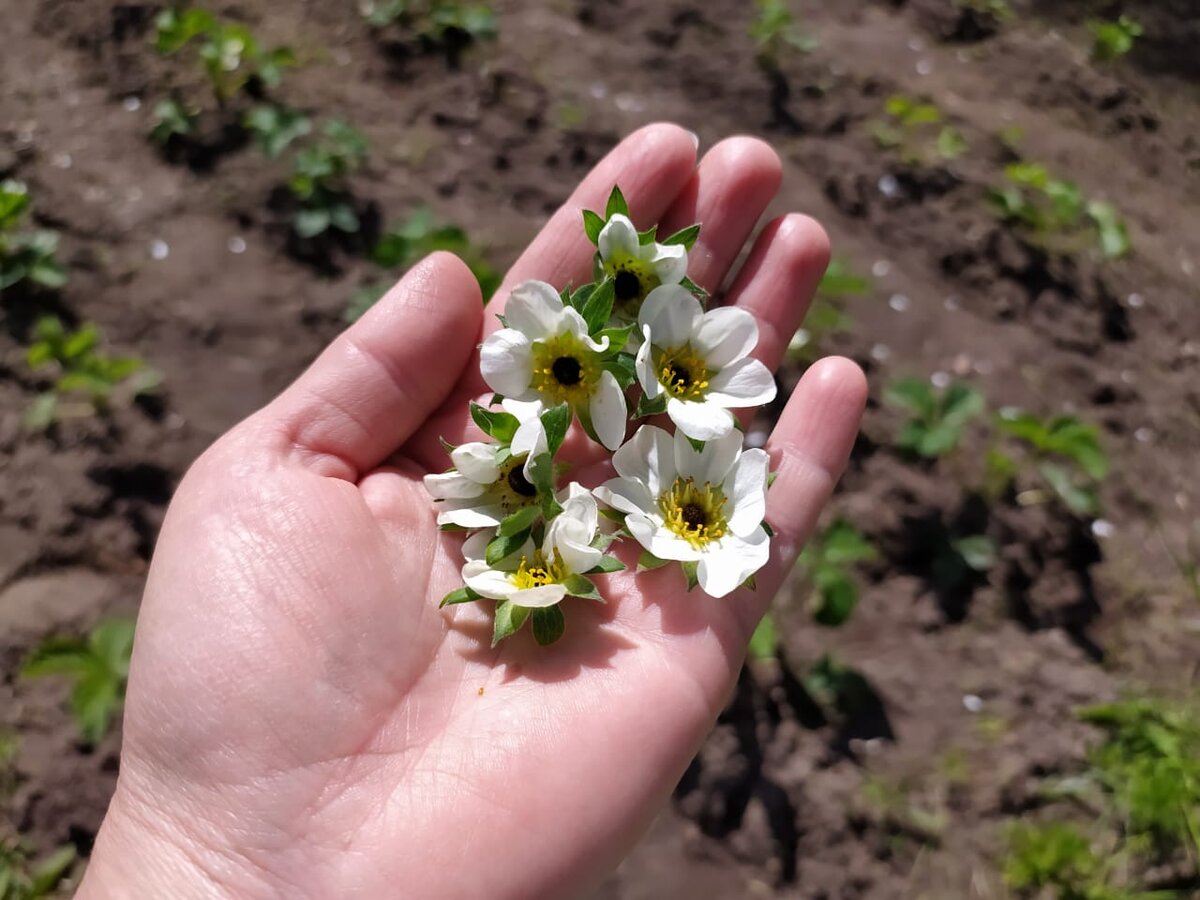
(567, 370)
(680, 376)
(520, 484)
(627, 286)
(693, 516)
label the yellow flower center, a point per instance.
(512, 489)
(632, 279)
(565, 370)
(536, 572)
(683, 373)
(694, 512)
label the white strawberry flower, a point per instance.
(699, 361)
(636, 268)
(545, 354)
(536, 577)
(705, 507)
(488, 485)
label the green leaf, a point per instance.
(41, 412)
(308, 223)
(548, 625)
(49, 872)
(616, 204)
(509, 619)
(690, 568)
(606, 565)
(685, 236)
(1080, 500)
(593, 224)
(842, 544)
(698, 446)
(597, 308)
(556, 421)
(93, 703)
(912, 394)
(617, 337)
(496, 424)
(838, 596)
(764, 643)
(623, 367)
(578, 586)
(520, 521)
(460, 595)
(977, 551)
(645, 238)
(647, 407)
(505, 545)
(59, 656)
(648, 562)
(112, 642)
(698, 292)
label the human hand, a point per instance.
(303, 721)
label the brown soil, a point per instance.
(784, 800)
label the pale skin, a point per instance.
(303, 721)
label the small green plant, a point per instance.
(440, 23)
(87, 379)
(402, 247)
(1057, 210)
(775, 31)
(232, 58)
(764, 643)
(1113, 39)
(829, 561)
(1065, 452)
(918, 131)
(938, 418)
(172, 119)
(319, 180)
(98, 666)
(25, 255)
(826, 317)
(275, 128)
(999, 10)
(23, 879)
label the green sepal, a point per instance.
(617, 337)
(502, 319)
(698, 292)
(556, 421)
(503, 454)
(509, 619)
(648, 562)
(541, 472)
(521, 520)
(698, 446)
(597, 305)
(496, 400)
(690, 572)
(647, 237)
(606, 565)
(771, 476)
(585, 421)
(613, 515)
(548, 625)
(686, 236)
(500, 426)
(623, 367)
(461, 595)
(593, 224)
(616, 204)
(647, 407)
(578, 586)
(505, 545)
(450, 526)
(751, 583)
(768, 529)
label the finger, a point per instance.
(728, 192)
(778, 280)
(809, 449)
(379, 381)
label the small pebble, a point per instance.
(1102, 528)
(889, 186)
(466, 139)
(342, 57)
(983, 366)
(1127, 376)
(899, 302)
(131, 104)
(1136, 300)
(237, 245)
(880, 268)
(951, 303)
(972, 703)
(598, 90)
(939, 379)
(924, 66)
(1143, 435)
(1187, 268)
(880, 352)
(916, 45)
(629, 103)
(61, 161)
(1181, 500)
(159, 249)
(963, 56)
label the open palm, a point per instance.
(302, 719)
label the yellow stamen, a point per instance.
(683, 373)
(565, 370)
(633, 279)
(694, 512)
(536, 572)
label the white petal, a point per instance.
(530, 438)
(569, 539)
(711, 465)
(746, 491)
(475, 547)
(486, 581)
(524, 410)
(648, 457)
(662, 543)
(535, 309)
(670, 262)
(608, 411)
(573, 323)
(453, 486)
(647, 377)
(671, 313)
(506, 362)
(477, 461)
(725, 334)
(731, 562)
(618, 238)
(700, 421)
(626, 495)
(581, 507)
(539, 597)
(746, 382)
(460, 513)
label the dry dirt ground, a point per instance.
(785, 799)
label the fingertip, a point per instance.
(842, 379)
(751, 156)
(805, 240)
